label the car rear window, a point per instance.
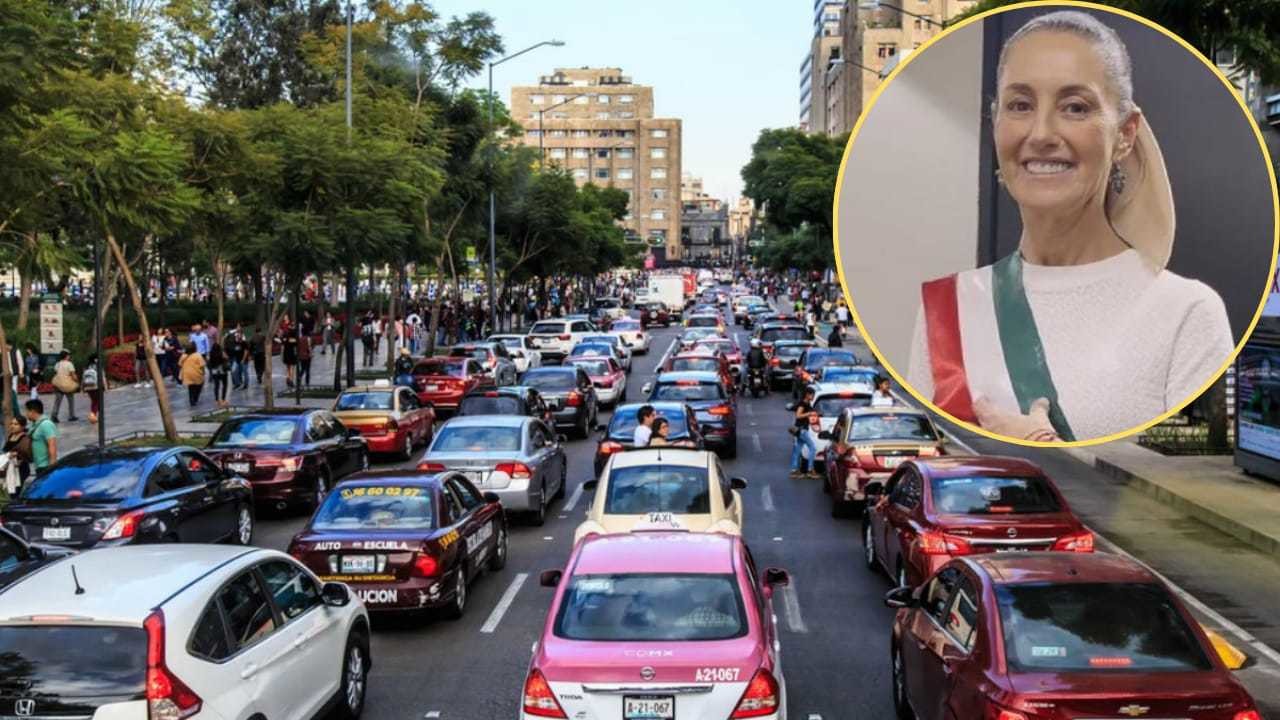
(626, 325)
(622, 426)
(475, 438)
(377, 400)
(681, 392)
(891, 427)
(820, 358)
(832, 405)
(87, 478)
(789, 351)
(1096, 627)
(375, 508)
(591, 349)
(703, 322)
(547, 328)
(993, 495)
(610, 340)
(255, 431)
(695, 365)
(477, 353)
(651, 607)
(594, 368)
(65, 661)
(554, 380)
(500, 405)
(658, 488)
(452, 368)
(838, 374)
(776, 334)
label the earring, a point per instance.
(999, 177)
(1117, 180)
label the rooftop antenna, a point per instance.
(76, 580)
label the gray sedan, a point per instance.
(519, 458)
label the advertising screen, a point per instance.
(1258, 398)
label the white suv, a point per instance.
(162, 632)
(553, 339)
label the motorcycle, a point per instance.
(756, 382)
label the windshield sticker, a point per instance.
(990, 493)
(599, 586)
(1048, 651)
(348, 493)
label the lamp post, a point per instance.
(349, 325)
(493, 306)
(876, 5)
(566, 101)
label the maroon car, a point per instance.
(1054, 636)
(405, 541)
(933, 510)
(442, 381)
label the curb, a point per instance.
(1208, 516)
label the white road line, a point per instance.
(795, 621)
(755, 442)
(574, 498)
(766, 498)
(504, 604)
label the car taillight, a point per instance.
(610, 447)
(125, 526)
(1078, 542)
(605, 383)
(565, 337)
(517, 471)
(936, 543)
(431, 467)
(574, 399)
(391, 425)
(425, 565)
(291, 464)
(775, 362)
(760, 698)
(720, 410)
(999, 713)
(538, 698)
(1247, 715)
(168, 698)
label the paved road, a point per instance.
(835, 630)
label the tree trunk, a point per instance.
(153, 367)
(24, 299)
(393, 306)
(162, 285)
(119, 326)
(6, 375)
(220, 277)
(259, 301)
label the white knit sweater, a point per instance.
(1123, 342)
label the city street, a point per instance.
(835, 628)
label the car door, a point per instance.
(538, 449)
(899, 532)
(222, 503)
(312, 631)
(478, 529)
(455, 514)
(260, 653)
(768, 619)
(15, 560)
(877, 517)
(731, 499)
(484, 512)
(190, 513)
(948, 638)
(921, 643)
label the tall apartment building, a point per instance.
(600, 126)
(823, 48)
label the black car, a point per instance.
(120, 496)
(621, 432)
(569, 394)
(18, 558)
(507, 400)
(815, 357)
(782, 363)
(290, 456)
(716, 409)
(769, 333)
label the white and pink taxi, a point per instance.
(658, 625)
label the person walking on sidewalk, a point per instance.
(304, 360)
(65, 385)
(44, 436)
(172, 351)
(17, 443)
(31, 365)
(90, 382)
(804, 417)
(258, 348)
(328, 334)
(200, 339)
(191, 369)
(140, 363)
(288, 336)
(218, 370)
(237, 351)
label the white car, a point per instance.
(517, 347)
(612, 307)
(633, 334)
(170, 631)
(553, 339)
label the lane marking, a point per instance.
(548, 537)
(777, 538)
(766, 498)
(795, 621)
(573, 499)
(755, 443)
(751, 409)
(504, 603)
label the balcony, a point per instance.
(615, 80)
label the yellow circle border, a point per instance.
(853, 135)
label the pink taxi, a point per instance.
(658, 625)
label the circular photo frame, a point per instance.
(1006, 213)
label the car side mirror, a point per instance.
(550, 578)
(874, 489)
(492, 497)
(738, 483)
(900, 597)
(335, 594)
(825, 435)
(35, 552)
(647, 388)
(591, 484)
(774, 576)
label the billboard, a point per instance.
(1258, 400)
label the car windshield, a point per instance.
(594, 368)
(451, 368)
(993, 495)
(254, 431)
(658, 488)
(629, 325)
(1095, 627)
(609, 340)
(682, 391)
(839, 374)
(892, 426)
(476, 353)
(592, 349)
(554, 380)
(64, 661)
(832, 405)
(476, 438)
(622, 426)
(789, 352)
(820, 358)
(725, 346)
(87, 478)
(513, 343)
(375, 508)
(704, 322)
(547, 328)
(783, 333)
(651, 608)
(485, 405)
(373, 400)
(695, 365)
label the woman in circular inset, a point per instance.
(1081, 332)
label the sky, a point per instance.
(727, 69)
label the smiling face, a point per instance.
(1058, 128)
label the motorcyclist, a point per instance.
(757, 362)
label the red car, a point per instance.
(866, 444)
(1054, 636)
(442, 381)
(729, 348)
(606, 374)
(390, 418)
(700, 361)
(937, 509)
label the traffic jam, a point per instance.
(593, 520)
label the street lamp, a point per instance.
(552, 107)
(348, 326)
(842, 61)
(493, 252)
(876, 5)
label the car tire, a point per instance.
(458, 606)
(323, 483)
(355, 677)
(868, 546)
(900, 577)
(901, 707)
(539, 515)
(243, 533)
(406, 452)
(498, 560)
(560, 490)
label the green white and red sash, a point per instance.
(969, 314)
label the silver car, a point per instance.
(624, 350)
(519, 458)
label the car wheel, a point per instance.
(499, 558)
(900, 577)
(560, 490)
(456, 608)
(868, 548)
(901, 707)
(406, 452)
(355, 674)
(244, 526)
(322, 485)
(539, 515)
(364, 460)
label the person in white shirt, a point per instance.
(644, 431)
(881, 397)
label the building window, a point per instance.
(624, 173)
(658, 215)
(602, 99)
(557, 133)
(533, 133)
(602, 153)
(626, 98)
(537, 99)
(580, 174)
(658, 193)
(557, 99)
(602, 115)
(581, 133)
(556, 153)
(625, 153)
(581, 153)
(657, 133)
(657, 153)
(624, 115)
(658, 173)
(559, 116)
(582, 100)
(887, 50)
(602, 173)
(625, 133)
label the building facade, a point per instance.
(704, 224)
(815, 104)
(600, 126)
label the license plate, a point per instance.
(648, 707)
(359, 563)
(238, 467)
(476, 478)
(57, 533)
(1012, 549)
(891, 461)
(431, 388)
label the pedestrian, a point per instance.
(211, 332)
(200, 339)
(258, 349)
(304, 359)
(288, 337)
(192, 371)
(92, 386)
(31, 365)
(881, 396)
(804, 416)
(17, 443)
(44, 436)
(644, 430)
(367, 339)
(237, 351)
(404, 368)
(219, 368)
(836, 338)
(842, 313)
(172, 351)
(328, 334)
(65, 385)
(140, 363)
